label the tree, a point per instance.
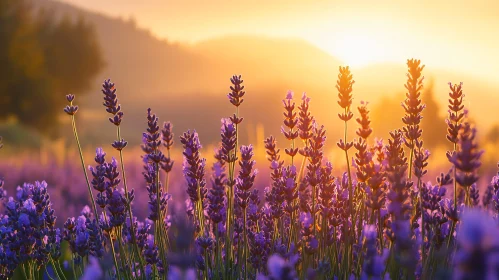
(41, 60)
(387, 115)
(433, 123)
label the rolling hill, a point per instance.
(187, 84)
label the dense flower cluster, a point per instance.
(375, 222)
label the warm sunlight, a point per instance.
(358, 49)
(281, 139)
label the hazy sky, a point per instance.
(457, 35)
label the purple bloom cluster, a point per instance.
(28, 230)
(374, 223)
(467, 158)
(193, 168)
(111, 102)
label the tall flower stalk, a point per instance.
(114, 108)
(344, 85)
(399, 206)
(167, 162)
(244, 183)
(357, 225)
(466, 159)
(158, 199)
(236, 98)
(413, 107)
(71, 111)
(290, 122)
(456, 115)
(194, 174)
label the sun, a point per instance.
(358, 49)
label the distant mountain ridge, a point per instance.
(187, 84)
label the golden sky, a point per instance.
(455, 35)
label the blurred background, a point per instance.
(177, 57)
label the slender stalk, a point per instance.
(350, 199)
(409, 175)
(57, 266)
(423, 230)
(112, 249)
(73, 123)
(230, 199)
(74, 271)
(129, 207)
(24, 271)
(55, 270)
(314, 191)
(246, 255)
(48, 274)
(455, 182)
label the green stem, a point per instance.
(129, 206)
(112, 249)
(54, 268)
(58, 266)
(48, 274)
(423, 230)
(350, 199)
(73, 123)
(74, 271)
(246, 255)
(409, 174)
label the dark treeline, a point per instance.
(41, 60)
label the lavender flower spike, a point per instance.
(111, 102)
(70, 109)
(237, 91)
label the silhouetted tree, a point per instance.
(493, 134)
(387, 116)
(41, 60)
(433, 123)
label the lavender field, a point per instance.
(173, 210)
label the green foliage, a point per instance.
(41, 60)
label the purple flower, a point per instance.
(400, 206)
(456, 113)
(116, 206)
(71, 109)
(228, 136)
(166, 162)
(96, 246)
(111, 102)
(374, 264)
(70, 98)
(290, 122)
(193, 167)
(99, 173)
(167, 135)
(344, 86)
(246, 178)
(327, 187)
(259, 249)
(237, 91)
(305, 119)
(467, 158)
(476, 256)
(119, 144)
(412, 105)
(92, 270)
(280, 268)
(216, 197)
(151, 253)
